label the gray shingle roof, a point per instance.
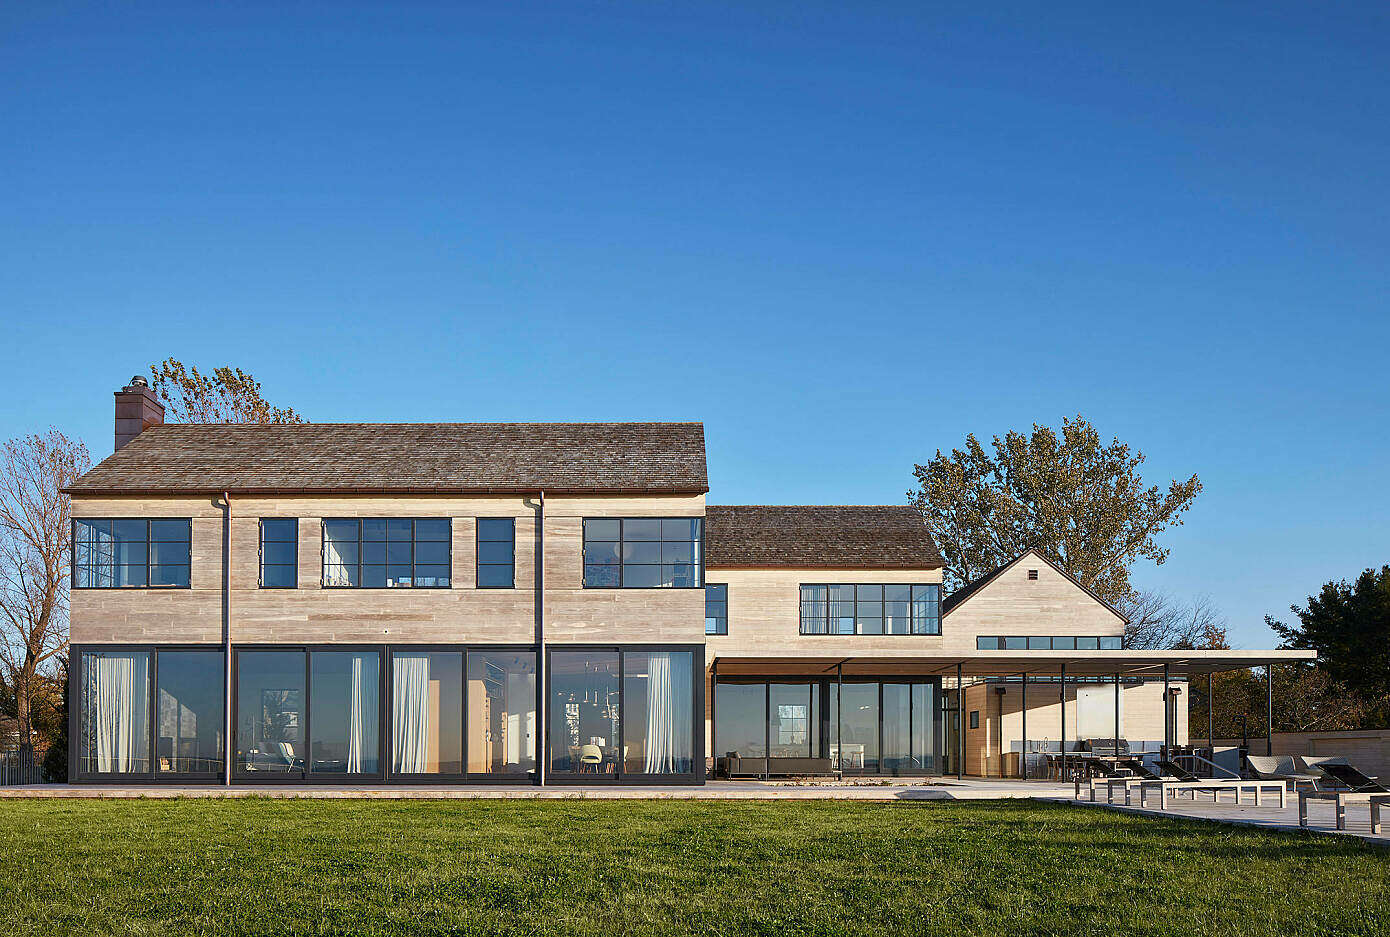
(879, 536)
(407, 457)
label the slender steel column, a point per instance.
(1269, 709)
(1117, 715)
(1211, 701)
(1023, 754)
(839, 727)
(960, 722)
(1165, 712)
(713, 723)
(1064, 724)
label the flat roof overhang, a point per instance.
(1009, 663)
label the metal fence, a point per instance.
(20, 770)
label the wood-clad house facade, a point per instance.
(512, 603)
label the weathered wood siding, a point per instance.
(459, 614)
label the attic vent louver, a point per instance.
(1032, 574)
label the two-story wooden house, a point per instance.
(542, 603)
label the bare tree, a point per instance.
(1159, 622)
(230, 395)
(35, 535)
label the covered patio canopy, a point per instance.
(1007, 663)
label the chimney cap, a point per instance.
(139, 381)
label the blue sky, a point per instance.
(840, 236)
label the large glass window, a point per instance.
(854, 735)
(427, 712)
(270, 712)
(1067, 642)
(925, 722)
(716, 608)
(130, 553)
(793, 720)
(740, 717)
(496, 553)
(189, 725)
(279, 552)
(658, 701)
(585, 718)
(896, 757)
(386, 553)
(643, 553)
(870, 609)
(501, 712)
(345, 712)
(115, 724)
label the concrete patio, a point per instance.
(889, 789)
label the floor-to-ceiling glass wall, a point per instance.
(501, 713)
(624, 713)
(854, 733)
(345, 712)
(270, 713)
(658, 713)
(114, 738)
(790, 727)
(426, 713)
(147, 712)
(190, 715)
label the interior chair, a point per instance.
(590, 758)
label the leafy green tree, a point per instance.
(230, 395)
(1077, 500)
(1349, 625)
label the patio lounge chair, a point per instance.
(1282, 768)
(1347, 776)
(1354, 787)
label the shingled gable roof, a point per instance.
(955, 599)
(878, 536)
(402, 458)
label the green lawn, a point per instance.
(617, 868)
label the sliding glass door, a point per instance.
(312, 713)
(620, 714)
(141, 713)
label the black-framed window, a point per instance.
(644, 552)
(131, 553)
(974, 718)
(496, 552)
(386, 553)
(871, 608)
(279, 552)
(147, 712)
(991, 642)
(625, 712)
(716, 608)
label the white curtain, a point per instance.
(410, 721)
(362, 716)
(119, 692)
(668, 713)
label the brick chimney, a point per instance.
(137, 409)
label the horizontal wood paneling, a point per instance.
(1015, 605)
(765, 615)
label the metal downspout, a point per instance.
(227, 636)
(541, 750)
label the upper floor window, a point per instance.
(386, 553)
(496, 552)
(871, 609)
(716, 608)
(279, 552)
(1049, 643)
(644, 553)
(130, 553)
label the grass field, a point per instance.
(617, 868)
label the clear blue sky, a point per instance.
(842, 238)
